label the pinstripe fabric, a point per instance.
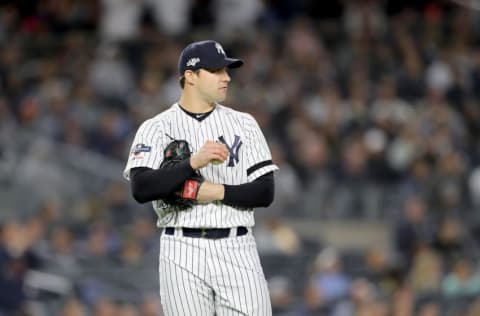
(205, 276)
(222, 122)
(221, 277)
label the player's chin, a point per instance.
(221, 96)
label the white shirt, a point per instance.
(249, 159)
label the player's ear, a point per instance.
(189, 76)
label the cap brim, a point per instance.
(227, 62)
(233, 63)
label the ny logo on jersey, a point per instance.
(237, 143)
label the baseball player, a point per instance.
(208, 263)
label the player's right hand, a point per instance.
(209, 151)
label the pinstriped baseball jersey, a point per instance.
(249, 158)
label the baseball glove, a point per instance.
(185, 196)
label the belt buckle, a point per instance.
(203, 233)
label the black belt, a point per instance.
(209, 233)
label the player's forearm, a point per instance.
(153, 184)
(210, 192)
(259, 193)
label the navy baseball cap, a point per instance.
(205, 54)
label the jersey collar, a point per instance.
(198, 116)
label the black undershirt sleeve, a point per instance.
(258, 193)
(152, 184)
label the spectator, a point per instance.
(461, 280)
(60, 256)
(362, 294)
(413, 230)
(105, 306)
(450, 240)
(328, 284)
(403, 301)
(430, 309)
(120, 20)
(425, 275)
(235, 16)
(283, 299)
(381, 270)
(73, 307)
(354, 197)
(287, 187)
(151, 306)
(275, 236)
(16, 258)
(110, 76)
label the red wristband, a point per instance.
(190, 189)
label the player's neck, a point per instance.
(195, 105)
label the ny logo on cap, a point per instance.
(220, 49)
(193, 61)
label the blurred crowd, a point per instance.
(371, 110)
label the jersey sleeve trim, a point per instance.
(258, 166)
(262, 171)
